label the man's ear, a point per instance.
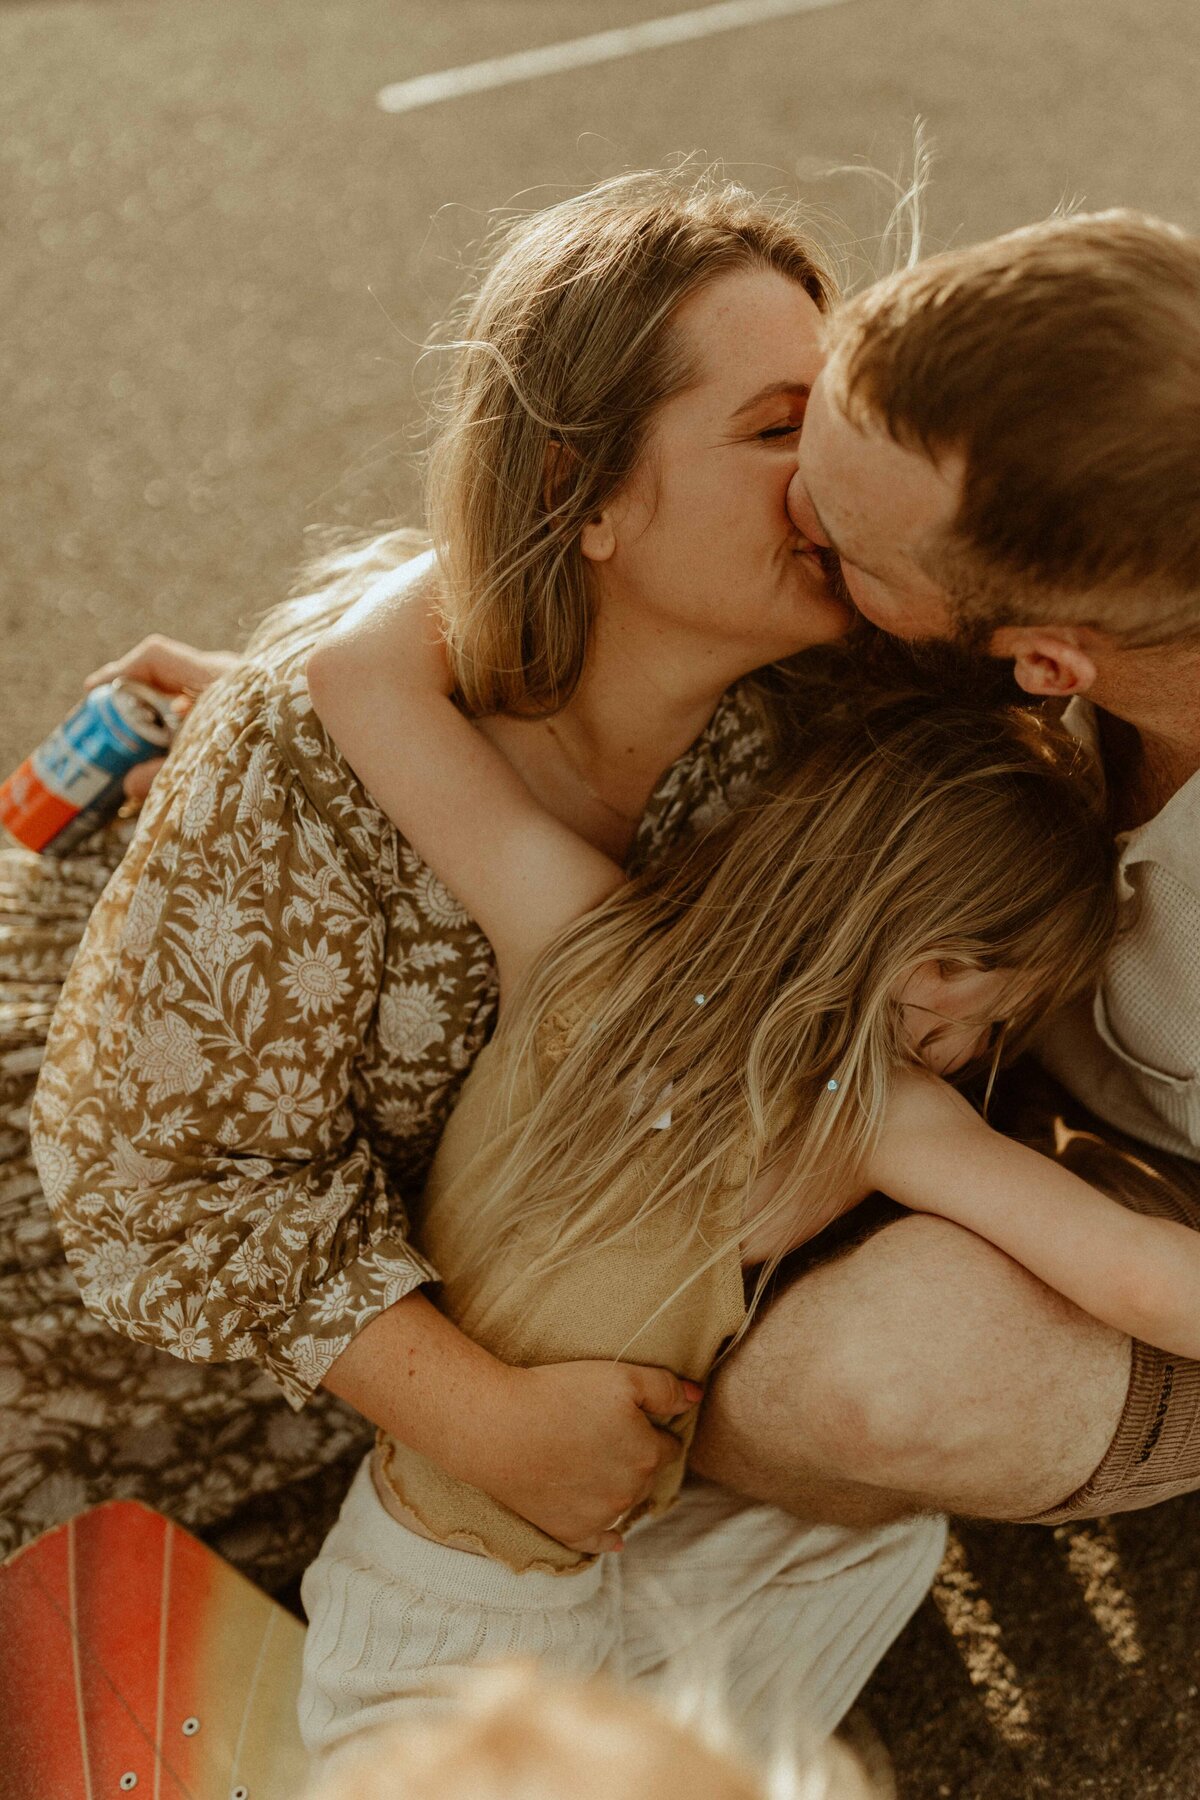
(1047, 660)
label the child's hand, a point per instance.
(573, 1447)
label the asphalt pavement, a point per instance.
(221, 261)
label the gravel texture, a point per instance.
(220, 263)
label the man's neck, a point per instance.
(1150, 729)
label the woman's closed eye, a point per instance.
(778, 434)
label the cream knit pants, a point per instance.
(785, 1621)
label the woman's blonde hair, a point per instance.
(560, 360)
(756, 979)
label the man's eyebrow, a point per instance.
(774, 390)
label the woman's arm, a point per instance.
(569, 1446)
(1140, 1275)
(380, 683)
(178, 670)
(217, 1193)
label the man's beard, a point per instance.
(835, 581)
(957, 668)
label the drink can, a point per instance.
(72, 783)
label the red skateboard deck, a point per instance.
(134, 1660)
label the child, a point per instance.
(515, 1734)
(693, 1074)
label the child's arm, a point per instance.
(1140, 1275)
(380, 684)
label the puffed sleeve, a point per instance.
(195, 1125)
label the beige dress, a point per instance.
(259, 1041)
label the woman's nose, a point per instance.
(801, 513)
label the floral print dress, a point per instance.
(258, 1042)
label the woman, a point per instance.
(275, 1003)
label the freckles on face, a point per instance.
(705, 534)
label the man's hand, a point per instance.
(572, 1446)
(174, 668)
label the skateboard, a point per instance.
(133, 1660)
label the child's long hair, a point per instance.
(752, 987)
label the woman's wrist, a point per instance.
(417, 1377)
(488, 1428)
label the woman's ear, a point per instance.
(598, 539)
(1047, 660)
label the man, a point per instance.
(1003, 449)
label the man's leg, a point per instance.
(926, 1369)
(923, 1371)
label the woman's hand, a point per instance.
(572, 1447)
(174, 668)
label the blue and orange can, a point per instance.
(73, 783)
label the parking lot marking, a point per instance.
(581, 53)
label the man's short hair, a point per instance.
(1062, 362)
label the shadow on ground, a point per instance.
(1058, 1662)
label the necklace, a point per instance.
(617, 812)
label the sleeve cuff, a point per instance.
(300, 1352)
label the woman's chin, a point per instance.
(826, 615)
(825, 619)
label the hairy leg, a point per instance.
(925, 1370)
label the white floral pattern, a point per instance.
(289, 1098)
(411, 1020)
(166, 1055)
(265, 1027)
(87, 1415)
(314, 978)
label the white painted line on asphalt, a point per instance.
(580, 53)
